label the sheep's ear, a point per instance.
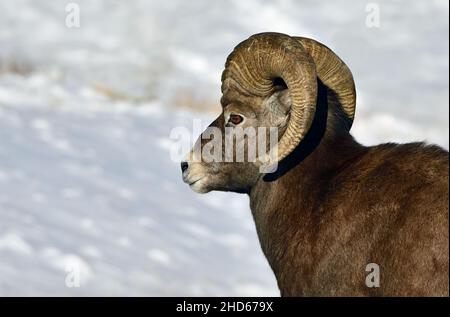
(284, 101)
(280, 103)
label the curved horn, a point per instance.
(333, 72)
(256, 62)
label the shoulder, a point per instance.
(395, 167)
(416, 149)
(409, 157)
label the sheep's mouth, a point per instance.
(192, 183)
(199, 185)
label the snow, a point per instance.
(91, 202)
(96, 191)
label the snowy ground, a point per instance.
(86, 180)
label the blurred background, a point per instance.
(90, 201)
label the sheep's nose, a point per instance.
(184, 166)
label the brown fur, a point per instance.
(346, 206)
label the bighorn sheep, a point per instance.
(332, 206)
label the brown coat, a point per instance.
(346, 206)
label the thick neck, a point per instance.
(286, 209)
(302, 174)
(285, 204)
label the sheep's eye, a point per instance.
(235, 119)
